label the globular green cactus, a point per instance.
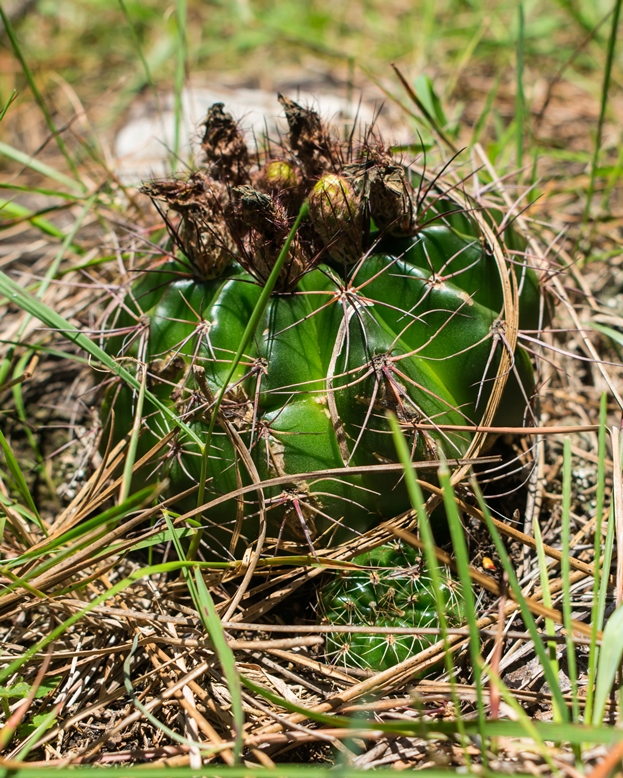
(392, 298)
(393, 590)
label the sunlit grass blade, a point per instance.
(469, 602)
(11, 210)
(8, 104)
(75, 198)
(520, 100)
(527, 616)
(128, 466)
(614, 335)
(165, 536)
(565, 572)
(605, 89)
(19, 480)
(45, 170)
(42, 287)
(609, 664)
(220, 771)
(20, 407)
(212, 624)
(547, 601)
(417, 501)
(599, 510)
(523, 718)
(180, 75)
(486, 111)
(110, 515)
(214, 628)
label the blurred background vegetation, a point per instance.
(537, 83)
(484, 56)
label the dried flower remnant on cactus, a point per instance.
(225, 147)
(204, 236)
(268, 227)
(317, 152)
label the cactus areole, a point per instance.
(393, 297)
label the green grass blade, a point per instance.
(8, 104)
(20, 481)
(605, 89)
(41, 190)
(417, 501)
(40, 167)
(547, 601)
(599, 510)
(614, 335)
(462, 563)
(522, 717)
(37, 95)
(139, 50)
(221, 771)
(565, 572)
(166, 536)
(113, 514)
(529, 622)
(130, 458)
(610, 658)
(11, 210)
(180, 74)
(520, 100)
(214, 628)
(482, 119)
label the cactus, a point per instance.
(392, 298)
(391, 590)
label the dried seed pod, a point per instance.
(336, 211)
(225, 147)
(390, 200)
(204, 236)
(311, 142)
(269, 228)
(278, 174)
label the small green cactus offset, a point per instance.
(392, 590)
(392, 298)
